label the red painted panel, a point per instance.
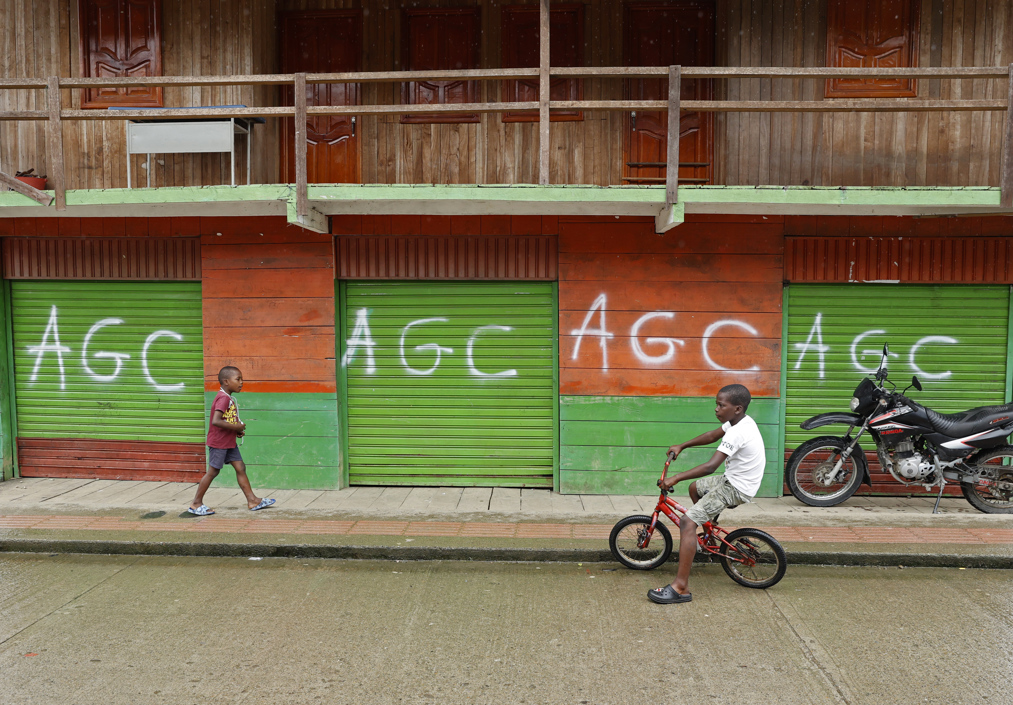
(268, 304)
(531, 258)
(110, 460)
(931, 260)
(679, 314)
(115, 258)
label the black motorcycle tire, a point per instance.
(851, 486)
(971, 493)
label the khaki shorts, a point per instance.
(716, 493)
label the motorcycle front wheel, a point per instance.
(996, 468)
(809, 464)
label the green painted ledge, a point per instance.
(616, 445)
(291, 443)
(510, 199)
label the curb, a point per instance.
(428, 553)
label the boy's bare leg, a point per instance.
(687, 552)
(252, 500)
(202, 487)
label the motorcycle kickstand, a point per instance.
(942, 486)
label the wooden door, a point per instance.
(667, 34)
(323, 42)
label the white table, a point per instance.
(188, 137)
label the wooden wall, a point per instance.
(268, 304)
(867, 149)
(39, 38)
(717, 281)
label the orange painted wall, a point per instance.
(716, 279)
(268, 304)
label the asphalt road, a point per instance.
(95, 629)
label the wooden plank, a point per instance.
(1006, 184)
(25, 190)
(543, 93)
(674, 114)
(300, 147)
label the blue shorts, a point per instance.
(219, 457)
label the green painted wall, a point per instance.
(291, 443)
(616, 445)
(6, 408)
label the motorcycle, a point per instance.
(916, 445)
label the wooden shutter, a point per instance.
(121, 39)
(440, 39)
(666, 34)
(520, 35)
(307, 45)
(872, 34)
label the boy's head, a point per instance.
(231, 379)
(732, 402)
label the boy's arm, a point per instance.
(219, 421)
(699, 471)
(704, 439)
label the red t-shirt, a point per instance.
(220, 437)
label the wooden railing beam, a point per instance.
(672, 169)
(1006, 178)
(302, 199)
(543, 92)
(54, 143)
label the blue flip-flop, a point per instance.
(264, 503)
(201, 511)
(668, 596)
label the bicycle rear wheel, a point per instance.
(625, 539)
(753, 558)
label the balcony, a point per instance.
(905, 190)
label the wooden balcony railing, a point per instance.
(55, 113)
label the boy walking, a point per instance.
(224, 429)
(742, 452)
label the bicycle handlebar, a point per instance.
(664, 472)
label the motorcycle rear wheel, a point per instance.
(995, 465)
(820, 454)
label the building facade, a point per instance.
(439, 317)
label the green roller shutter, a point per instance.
(450, 383)
(140, 376)
(953, 337)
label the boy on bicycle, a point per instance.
(742, 452)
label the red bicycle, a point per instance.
(751, 557)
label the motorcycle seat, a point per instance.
(972, 421)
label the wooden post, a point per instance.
(55, 143)
(674, 98)
(543, 93)
(302, 198)
(1006, 178)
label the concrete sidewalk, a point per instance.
(106, 516)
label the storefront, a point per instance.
(107, 358)
(953, 335)
(450, 383)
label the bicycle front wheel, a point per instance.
(753, 558)
(629, 533)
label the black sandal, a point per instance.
(668, 596)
